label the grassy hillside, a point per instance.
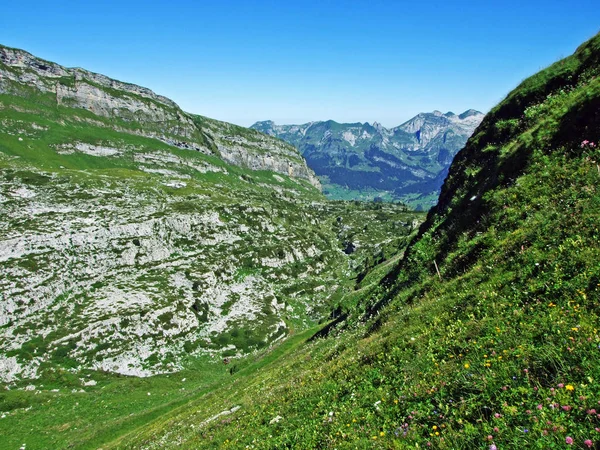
(501, 349)
(125, 250)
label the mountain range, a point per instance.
(360, 161)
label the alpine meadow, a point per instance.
(170, 280)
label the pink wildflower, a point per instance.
(560, 385)
(569, 440)
(588, 443)
(540, 406)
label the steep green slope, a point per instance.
(498, 350)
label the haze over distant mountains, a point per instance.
(363, 161)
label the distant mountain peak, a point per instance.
(469, 113)
(380, 128)
(265, 122)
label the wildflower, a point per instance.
(569, 387)
(588, 443)
(566, 408)
(467, 366)
(569, 440)
(540, 406)
(591, 411)
(490, 437)
(382, 433)
(560, 385)
(497, 415)
(493, 447)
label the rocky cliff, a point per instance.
(135, 237)
(141, 111)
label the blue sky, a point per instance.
(293, 62)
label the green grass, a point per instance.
(501, 348)
(100, 415)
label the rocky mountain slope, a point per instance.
(135, 237)
(137, 110)
(363, 161)
(484, 334)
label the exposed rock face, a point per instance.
(427, 126)
(37, 71)
(155, 116)
(132, 279)
(128, 276)
(408, 162)
(124, 251)
(233, 143)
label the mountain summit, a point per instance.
(363, 161)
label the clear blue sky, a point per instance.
(296, 61)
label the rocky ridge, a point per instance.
(146, 113)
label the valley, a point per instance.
(360, 161)
(173, 281)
